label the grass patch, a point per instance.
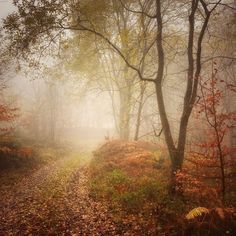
(128, 176)
(19, 163)
(57, 183)
(132, 179)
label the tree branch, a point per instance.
(138, 12)
(83, 28)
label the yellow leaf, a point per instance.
(198, 211)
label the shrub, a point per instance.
(125, 174)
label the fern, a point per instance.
(198, 211)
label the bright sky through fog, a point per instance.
(6, 7)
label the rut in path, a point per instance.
(54, 201)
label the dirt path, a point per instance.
(54, 200)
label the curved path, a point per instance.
(53, 200)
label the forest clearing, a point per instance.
(118, 117)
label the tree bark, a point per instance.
(176, 152)
(124, 115)
(140, 107)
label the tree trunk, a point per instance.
(124, 116)
(140, 107)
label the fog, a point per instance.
(117, 117)
(61, 111)
(104, 74)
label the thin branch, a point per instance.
(215, 57)
(155, 133)
(224, 4)
(138, 12)
(83, 28)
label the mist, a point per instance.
(117, 117)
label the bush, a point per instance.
(15, 155)
(125, 174)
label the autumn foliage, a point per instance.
(8, 114)
(210, 162)
(9, 151)
(129, 177)
(132, 179)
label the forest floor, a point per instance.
(119, 190)
(52, 200)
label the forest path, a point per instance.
(54, 200)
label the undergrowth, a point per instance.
(132, 178)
